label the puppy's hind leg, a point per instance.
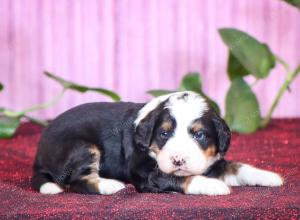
(43, 183)
(86, 177)
(93, 184)
(239, 174)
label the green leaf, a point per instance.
(8, 126)
(242, 108)
(159, 92)
(235, 69)
(80, 88)
(193, 82)
(1, 86)
(256, 57)
(295, 3)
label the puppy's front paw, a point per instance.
(206, 186)
(110, 186)
(271, 179)
(50, 188)
(252, 176)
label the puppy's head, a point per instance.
(182, 133)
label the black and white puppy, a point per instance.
(174, 143)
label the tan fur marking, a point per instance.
(210, 151)
(232, 168)
(196, 126)
(96, 158)
(93, 178)
(167, 125)
(154, 148)
(94, 150)
(186, 183)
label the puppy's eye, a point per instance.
(165, 134)
(199, 136)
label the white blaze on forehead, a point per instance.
(154, 103)
(187, 109)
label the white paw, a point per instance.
(252, 176)
(50, 188)
(207, 186)
(110, 186)
(271, 179)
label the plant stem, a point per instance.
(53, 101)
(37, 121)
(283, 63)
(290, 77)
(12, 114)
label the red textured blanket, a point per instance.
(276, 148)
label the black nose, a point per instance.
(177, 161)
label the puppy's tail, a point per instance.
(43, 182)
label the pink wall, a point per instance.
(132, 46)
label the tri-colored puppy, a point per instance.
(173, 143)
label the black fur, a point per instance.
(218, 169)
(143, 132)
(223, 132)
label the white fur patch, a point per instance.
(249, 175)
(110, 186)
(150, 106)
(207, 186)
(186, 110)
(231, 180)
(50, 188)
(152, 154)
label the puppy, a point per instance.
(174, 143)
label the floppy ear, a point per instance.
(144, 129)
(223, 132)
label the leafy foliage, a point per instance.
(8, 126)
(242, 108)
(247, 57)
(255, 57)
(10, 120)
(235, 69)
(80, 88)
(159, 92)
(295, 3)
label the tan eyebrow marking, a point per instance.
(196, 126)
(167, 125)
